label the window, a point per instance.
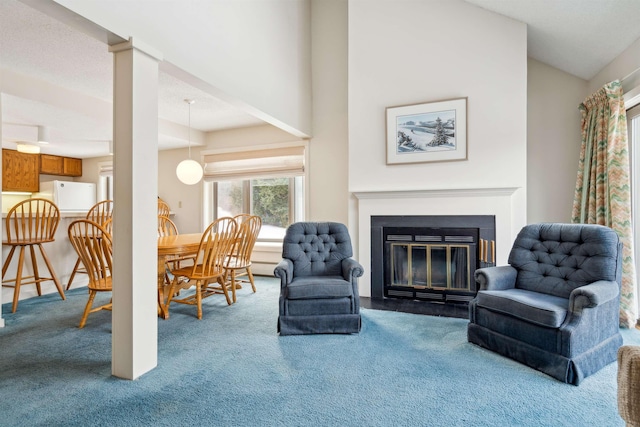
(275, 200)
(267, 182)
(105, 181)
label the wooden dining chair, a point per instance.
(30, 223)
(94, 246)
(101, 213)
(238, 263)
(207, 273)
(166, 227)
(108, 226)
(240, 218)
(163, 208)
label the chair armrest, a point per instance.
(284, 270)
(351, 268)
(592, 295)
(496, 278)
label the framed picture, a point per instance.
(429, 132)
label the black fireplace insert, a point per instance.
(430, 258)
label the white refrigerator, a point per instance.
(69, 196)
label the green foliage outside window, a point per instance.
(235, 196)
(271, 200)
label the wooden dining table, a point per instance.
(176, 245)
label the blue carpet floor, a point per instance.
(232, 369)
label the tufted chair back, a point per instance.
(557, 258)
(317, 248)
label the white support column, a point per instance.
(1, 236)
(135, 136)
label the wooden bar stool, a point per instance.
(30, 223)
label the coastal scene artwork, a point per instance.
(429, 132)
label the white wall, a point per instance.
(185, 200)
(628, 62)
(247, 136)
(252, 53)
(414, 52)
(553, 141)
(90, 170)
(265, 255)
(329, 147)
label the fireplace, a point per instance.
(430, 258)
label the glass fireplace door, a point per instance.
(430, 266)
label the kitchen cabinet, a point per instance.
(58, 165)
(20, 171)
(72, 166)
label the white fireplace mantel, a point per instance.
(452, 192)
(507, 204)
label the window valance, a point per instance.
(251, 164)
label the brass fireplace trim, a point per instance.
(427, 247)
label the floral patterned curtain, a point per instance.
(603, 187)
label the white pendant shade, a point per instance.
(189, 172)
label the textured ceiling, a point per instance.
(42, 49)
(577, 36)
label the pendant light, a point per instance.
(189, 171)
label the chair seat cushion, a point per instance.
(315, 287)
(534, 307)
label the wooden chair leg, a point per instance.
(223, 285)
(170, 293)
(4, 271)
(73, 273)
(8, 261)
(36, 273)
(199, 285)
(52, 272)
(87, 309)
(16, 290)
(233, 285)
(250, 274)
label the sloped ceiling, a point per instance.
(74, 71)
(577, 36)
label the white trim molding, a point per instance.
(500, 202)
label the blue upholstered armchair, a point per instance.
(319, 280)
(555, 307)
